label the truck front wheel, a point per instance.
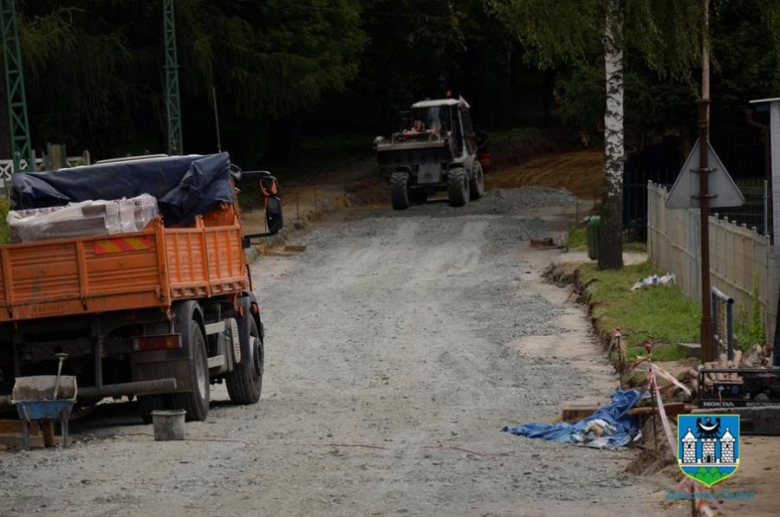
(399, 190)
(245, 382)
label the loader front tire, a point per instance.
(477, 181)
(399, 190)
(458, 186)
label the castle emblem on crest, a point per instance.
(708, 446)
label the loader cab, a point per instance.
(449, 118)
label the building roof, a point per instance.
(430, 103)
(689, 436)
(727, 437)
(762, 101)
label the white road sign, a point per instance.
(684, 193)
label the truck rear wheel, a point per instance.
(399, 190)
(245, 382)
(458, 186)
(477, 182)
(196, 402)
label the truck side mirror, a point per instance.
(273, 214)
(269, 186)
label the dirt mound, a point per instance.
(519, 148)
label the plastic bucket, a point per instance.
(168, 425)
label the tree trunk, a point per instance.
(611, 245)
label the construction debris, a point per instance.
(655, 280)
(576, 410)
(610, 426)
(757, 357)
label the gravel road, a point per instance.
(398, 345)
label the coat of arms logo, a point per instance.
(708, 446)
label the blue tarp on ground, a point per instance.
(624, 425)
(185, 186)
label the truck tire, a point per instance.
(196, 402)
(245, 382)
(477, 183)
(458, 186)
(399, 190)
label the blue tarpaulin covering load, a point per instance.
(608, 427)
(185, 186)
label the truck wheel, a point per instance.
(245, 383)
(477, 183)
(399, 190)
(418, 196)
(196, 402)
(458, 186)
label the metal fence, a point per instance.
(756, 212)
(740, 257)
(635, 181)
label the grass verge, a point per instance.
(578, 241)
(578, 238)
(663, 315)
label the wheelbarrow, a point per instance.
(42, 400)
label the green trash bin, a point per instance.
(594, 232)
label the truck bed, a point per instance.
(139, 270)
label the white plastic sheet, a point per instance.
(82, 219)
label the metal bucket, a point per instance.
(168, 425)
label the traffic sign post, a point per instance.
(707, 346)
(704, 183)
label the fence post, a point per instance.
(716, 330)
(766, 207)
(719, 297)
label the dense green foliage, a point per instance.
(285, 68)
(662, 43)
(94, 68)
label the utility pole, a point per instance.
(707, 346)
(216, 118)
(21, 148)
(173, 104)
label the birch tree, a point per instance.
(611, 246)
(666, 32)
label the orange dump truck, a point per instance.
(160, 312)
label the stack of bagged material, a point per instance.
(82, 219)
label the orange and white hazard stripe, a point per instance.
(121, 245)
